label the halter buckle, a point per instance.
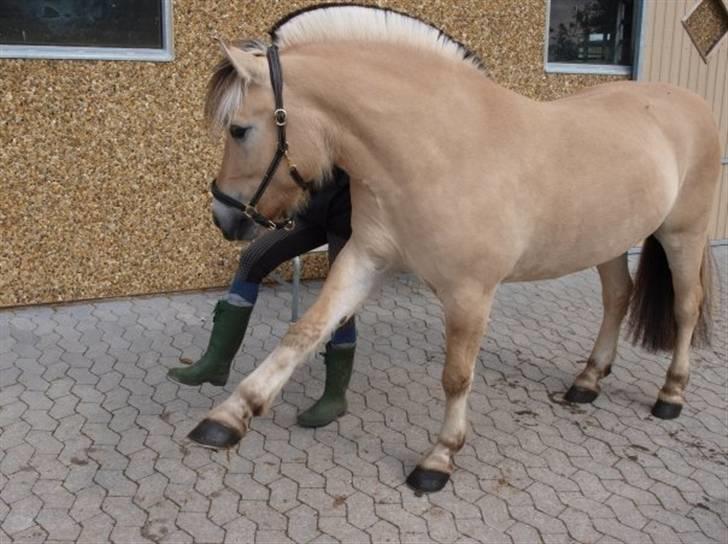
(251, 212)
(281, 117)
(289, 225)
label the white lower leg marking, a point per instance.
(350, 280)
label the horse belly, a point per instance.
(600, 222)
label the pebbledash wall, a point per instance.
(105, 165)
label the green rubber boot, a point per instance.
(228, 330)
(332, 404)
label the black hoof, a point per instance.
(580, 395)
(212, 434)
(429, 481)
(666, 410)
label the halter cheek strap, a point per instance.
(280, 116)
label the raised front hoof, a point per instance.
(214, 435)
(426, 480)
(666, 410)
(580, 395)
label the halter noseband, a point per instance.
(281, 119)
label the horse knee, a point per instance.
(303, 334)
(456, 380)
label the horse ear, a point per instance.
(250, 66)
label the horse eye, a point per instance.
(238, 132)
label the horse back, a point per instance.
(683, 118)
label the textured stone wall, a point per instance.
(104, 166)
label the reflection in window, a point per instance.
(96, 23)
(591, 32)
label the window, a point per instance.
(591, 36)
(86, 29)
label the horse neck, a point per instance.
(380, 103)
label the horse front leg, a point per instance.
(352, 277)
(466, 315)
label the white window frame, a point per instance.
(165, 54)
(595, 69)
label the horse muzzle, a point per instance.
(235, 226)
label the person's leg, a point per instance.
(339, 361)
(233, 310)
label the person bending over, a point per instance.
(325, 220)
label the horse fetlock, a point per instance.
(671, 393)
(589, 379)
(439, 458)
(676, 380)
(453, 444)
(253, 403)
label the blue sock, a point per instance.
(346, 334)
(246, 290)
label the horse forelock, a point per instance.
(226, 88)
(356, 22)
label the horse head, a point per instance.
(245, 102)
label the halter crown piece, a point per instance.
(280, 116)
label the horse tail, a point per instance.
(652, 321)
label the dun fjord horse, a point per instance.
(467, 185)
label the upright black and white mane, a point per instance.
(327, 23)
(353, 22)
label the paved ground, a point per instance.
(92, 446)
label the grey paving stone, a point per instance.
(385, 532)
(272, 537)
(53, 494)
(201, 528)
(283, 494)
(22, 515)
(87, 506)
(263, 515)
(520, 532)
(124, 511)
(620, 532)
(92, 445)
(302, 524)
(32, 534)
(343, 531)
(239, 531)
(58, 524)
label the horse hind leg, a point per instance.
(679, 286)
(688, 256)
(465, 326)
(616, 292)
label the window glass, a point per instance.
(591, 31)
(90, 23)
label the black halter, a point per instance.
(281, 119)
